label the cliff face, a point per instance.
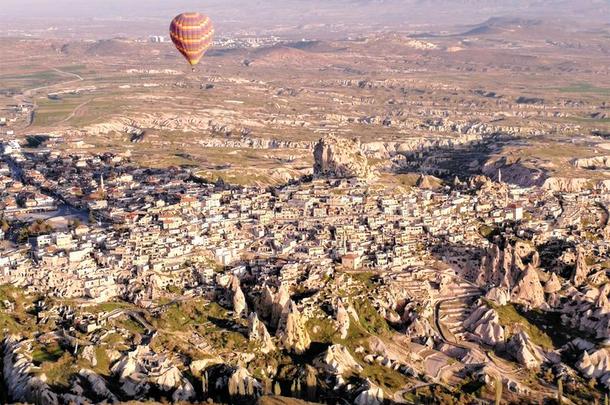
(340, 157)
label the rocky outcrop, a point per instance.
(89, 355)
(337, 360)
(22, 383)
(498, 295)
(528, 290)
(566, 185)
(292, 332)
(553, 284)
(597, 162)
(339, 157)
(500, 267)
(427, 182)
(235, 294)
(140, 370)
(257, 332)
(514, 172)
(241, 383)
(280, 301)
(596, 364)
(484, 323)
(420, 329)
(342, 319)
(98, 385)
(581, 270)
(373, 395)
(265, 302)
(587, 310)
(240, 306)
(524, 351)
(602, 304)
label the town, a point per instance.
(438, 262)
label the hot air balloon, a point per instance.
(192, 34)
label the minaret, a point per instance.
(499, 175)
(102, 183)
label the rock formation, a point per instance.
(498, 295)
(553, 284)
(524, 350)
(484, 323)
(279, 304)
(241, 383)
(597, 162)
(581, 270)
(566, 185)
(141, 369)
(528, 290)
(292, 332)
(340, 157)
(265, 302)
(89, 354)
(98, 385)
(257, 332)
(236, 296)
(500, 267)
(240, 306)
(588, 311)
(427, 182)
(337, 360)
(596, 365)
(342, 320)
(371, 396)
(420, 329)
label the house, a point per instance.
(351, 261)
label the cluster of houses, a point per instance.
(165, 229)
(17, 198)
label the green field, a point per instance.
(586, 88)
(88, 110)
(31, 80)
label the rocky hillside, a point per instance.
(340, 158)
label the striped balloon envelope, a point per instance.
(192, 34)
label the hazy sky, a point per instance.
(266, 14)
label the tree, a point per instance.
(23, 235)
